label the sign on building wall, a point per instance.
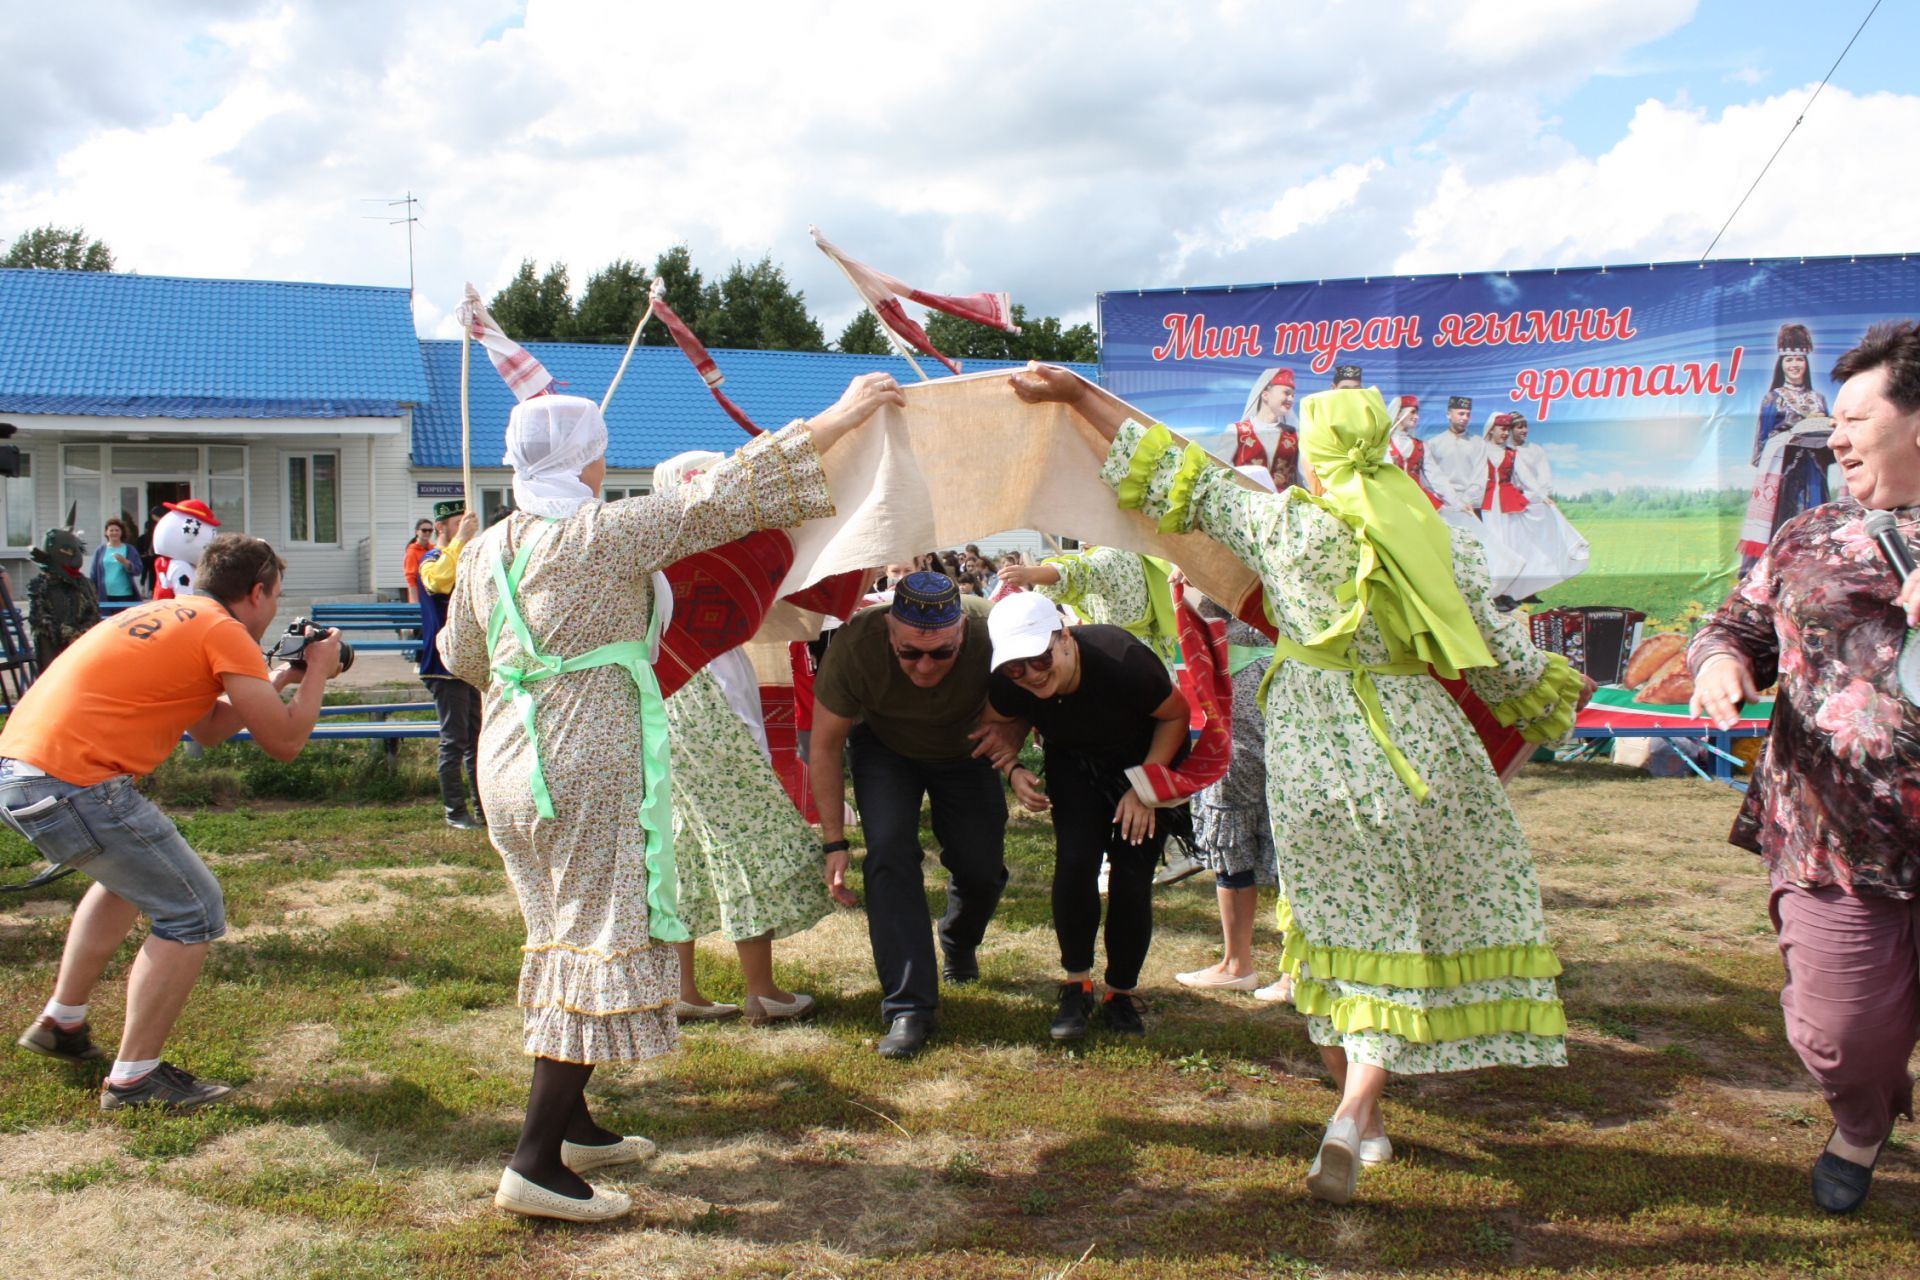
(438, 489)
(1675, 413)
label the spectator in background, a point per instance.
(421, 543)
(117, 567)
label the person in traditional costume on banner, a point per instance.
(1232, 834)
(1102, 703)
(898, 700)
(1789, 448)
(557, 613)
(1404, 449)
(1835, 800)
(748, 863)
(456, 702)
(1266, 434)
(1554, 550)
(1415, 934)
(1346, 375)
(1502, 505)
(1456, 473)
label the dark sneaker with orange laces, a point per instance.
(166, 1087)
(1121, 1013)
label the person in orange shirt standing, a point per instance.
(113, 708)
(417, 546)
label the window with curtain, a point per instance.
(227, 486)
(313, 498)
(19, 502)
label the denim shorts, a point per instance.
(122, 841)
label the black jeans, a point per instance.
(459, 706)
(1083, 830)
(969, 820)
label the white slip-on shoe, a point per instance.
(1279, 991)
(1336, 1170)
(760, 1010)
(531, 1200)
(1211, 979)
(715, 1012)
(629, 1150)
(1375, 1150)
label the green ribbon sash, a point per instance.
(656, 808)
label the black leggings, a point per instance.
(1083, 829)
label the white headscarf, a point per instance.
(549, 439)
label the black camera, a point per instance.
(292, 645)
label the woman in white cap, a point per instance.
(554, 616)
(1415, 934)
(1103, 702)
(748, 863)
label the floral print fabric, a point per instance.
(749, 863)
(1836, 798)
(1416, 936)
(594, 985)
(1107, 586)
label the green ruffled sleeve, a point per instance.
(1545, 712)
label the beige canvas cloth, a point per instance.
(966, 459)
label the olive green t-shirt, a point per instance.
(861, 679)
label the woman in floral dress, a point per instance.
(551, 616)
(1415, 934)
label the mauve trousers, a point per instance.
(1852, 1000)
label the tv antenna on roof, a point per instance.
(409, 218)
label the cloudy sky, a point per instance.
(1053, 150)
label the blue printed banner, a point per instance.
(1667, 418)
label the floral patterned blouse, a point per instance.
(1836, 798)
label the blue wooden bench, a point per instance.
(352, 617)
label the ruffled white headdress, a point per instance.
(549, 439)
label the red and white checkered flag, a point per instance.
(525, 376)
(883, 293)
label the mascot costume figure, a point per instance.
(61, 603)
(182, 534)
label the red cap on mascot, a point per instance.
(197, 509)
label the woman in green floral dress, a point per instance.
(1415, 935)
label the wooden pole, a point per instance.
(658, 290)
(466, 422)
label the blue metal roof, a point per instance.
(663, 407)
(110, 344)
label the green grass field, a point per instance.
(1654, 563)
(364, 1001)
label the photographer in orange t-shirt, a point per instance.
(112, 709)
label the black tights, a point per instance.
(557, 1112)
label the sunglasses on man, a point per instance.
(910, 656)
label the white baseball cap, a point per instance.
(1021, 626)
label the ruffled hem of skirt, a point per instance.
(598, 985)
(569, 1036)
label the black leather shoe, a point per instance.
(962, 965)
(1076, 1006)
(906, 1037)
(1840, 1185)
(1121, 1013)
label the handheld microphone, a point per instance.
(1885, 532)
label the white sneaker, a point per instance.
(531, 1200)
(1279, 991)
(1211, 979)
(629, 1150)
(1178, 868)
(1375, 1150)
(1336, 1170)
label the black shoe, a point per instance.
(1076, 1006)
(461, 820)
(1840, 1185)
(45, 1037)
(166, 1087)
(963, 965)
(1122, 1014)
(906, 1037)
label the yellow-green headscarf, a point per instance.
(1405, 576)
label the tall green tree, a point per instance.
(685, 290)
(612, 303)
(755, 306)
(534, 307)
(58, 249)
(1041, 339)
(862, 337)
